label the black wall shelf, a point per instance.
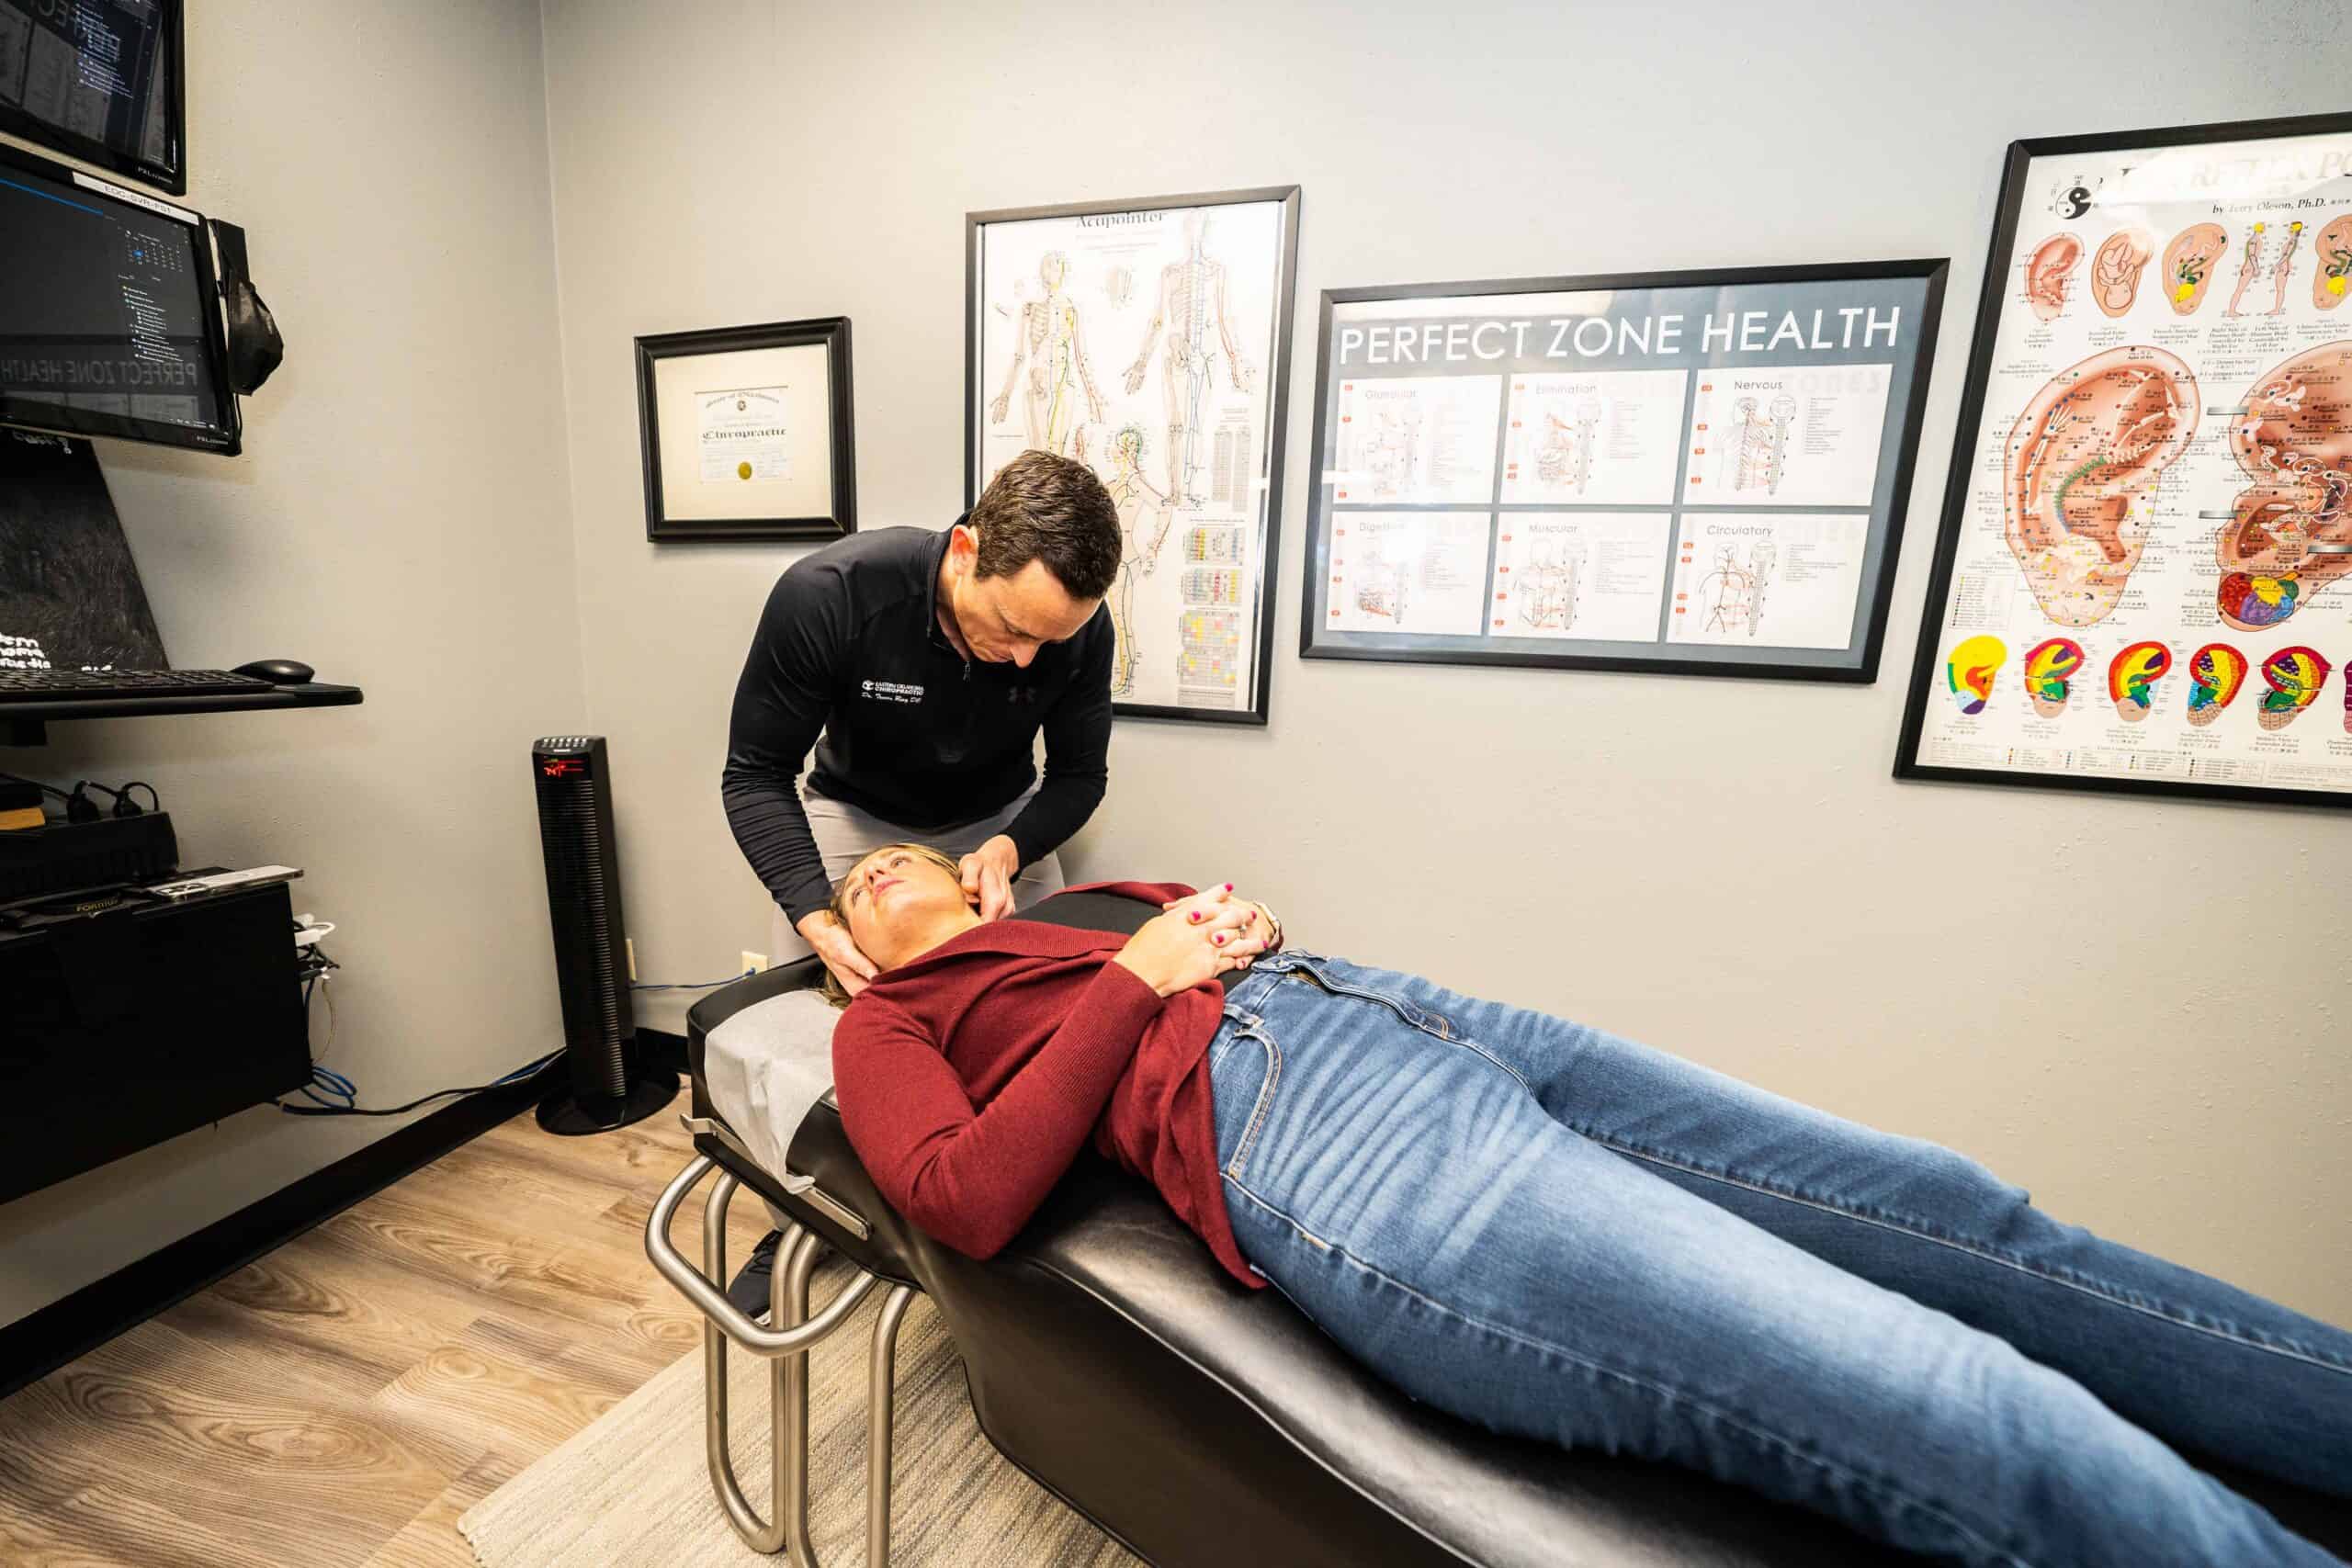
(26, 723)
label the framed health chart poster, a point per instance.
(1150, 339)
(2141, 580)
(1701, 473)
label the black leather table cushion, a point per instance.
(1209, 1427)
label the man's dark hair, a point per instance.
(1041, 507)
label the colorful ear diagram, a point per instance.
(2048, 667)
(2216, 674)
(1970, 670)
(2289, 534)
(2116, 268)
(2079, 471)
(2295, 674)
(2334, 274)
(2132, 675)
(2046, 272)
(2189, 261)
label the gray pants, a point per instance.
(846, 835)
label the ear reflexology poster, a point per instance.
(2142, 578)
(1151, 342)
(1692, 472)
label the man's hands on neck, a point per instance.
(831, 941)
(849, 962)
(988, 874)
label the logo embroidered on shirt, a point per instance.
(889, 692)
(1021, 694)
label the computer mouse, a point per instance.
(278, 672)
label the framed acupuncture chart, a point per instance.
(1150, 341)
(1695, 472)
(2139, 585)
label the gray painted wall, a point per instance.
(1722, 870)
(2132, 1007)
(398, 520)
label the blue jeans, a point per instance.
(1559, 1233)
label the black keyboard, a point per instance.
(34, 686)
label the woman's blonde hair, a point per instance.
(830, 987)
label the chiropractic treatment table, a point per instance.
(1200, 1424)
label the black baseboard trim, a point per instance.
(39, 1343)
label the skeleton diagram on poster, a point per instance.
(2151, 529)
(1142, 341)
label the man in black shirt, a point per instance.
(931, 661)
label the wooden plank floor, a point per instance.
(341, 1401)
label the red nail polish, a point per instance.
(1229, 887)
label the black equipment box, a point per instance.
(63, 856)
(125, 1021)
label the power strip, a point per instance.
(222, 882)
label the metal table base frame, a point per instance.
(786, 1347)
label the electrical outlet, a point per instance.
(629, 945)
(755, 963)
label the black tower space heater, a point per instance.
(609, 1087)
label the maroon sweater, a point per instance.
(970, 1078)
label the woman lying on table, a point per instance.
(1556, 1233)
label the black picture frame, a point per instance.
(1906, 398)
(1278, 369)
(841, 518)
(170, 174)
(2009, 214)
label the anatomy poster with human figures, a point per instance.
(2140, 583)
(1150, 341)
(1701, 473)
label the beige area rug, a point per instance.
(630, 1490)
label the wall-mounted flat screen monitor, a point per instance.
(110, 322)
(99, 79)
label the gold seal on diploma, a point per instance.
(742, 470)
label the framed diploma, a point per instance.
(746, 433)
(2144, 578)
(1150, 339)
(1701, 473)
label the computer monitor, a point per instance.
(110, 322)
(98, 80)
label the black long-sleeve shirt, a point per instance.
(850, 643)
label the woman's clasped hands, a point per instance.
(1193, 940)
